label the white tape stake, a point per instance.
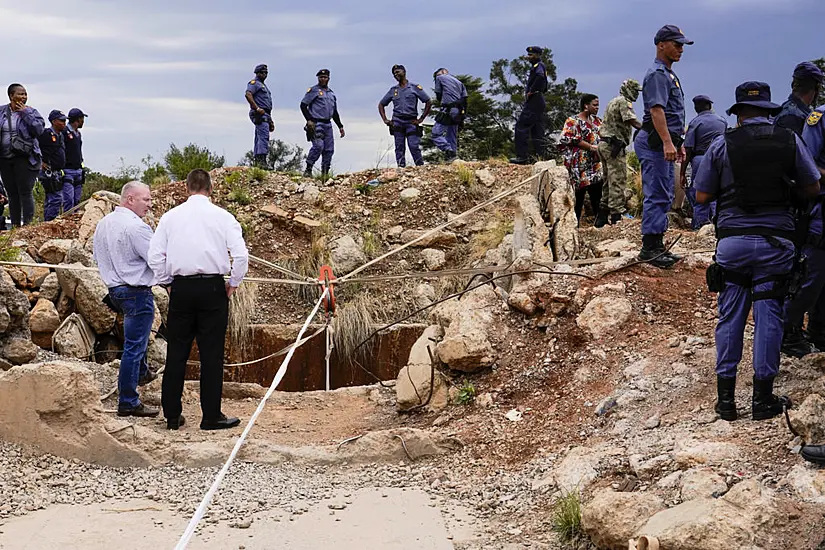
(207, 499)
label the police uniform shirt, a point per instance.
(813, 134)
(260, 93)
(662, 88)
(74, 148)
(702, 130)
(53, 149)
(715, 176)
(793, 115)
(537, 81)
(321, 102)
(405, 100)
(449, 89)
(617, 118)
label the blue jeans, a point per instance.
(755, 256)
(138, 305)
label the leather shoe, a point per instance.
(141, 411)
(148, 377)
(222, 423)
(814, 454)
(175, 423)
(519, 160)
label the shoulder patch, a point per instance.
(309, 90)
(629, 104)
(252, 82)
(419, 86)
(814, 118)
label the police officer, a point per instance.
(807, 79)
(748, 170)
(260, 113)
(530, 123)
(701, 132)
(73, 175)
(53, 148)
(405, 125)
(452, 96)
(319, 106)
(614, 136)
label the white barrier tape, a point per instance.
(207, 499)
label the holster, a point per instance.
(52, 182)
(654, 140)
(715, 277)
(798, 275)
(617, 146)
(310, 132)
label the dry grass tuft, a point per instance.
(491, 237)
(241, 308)
(354, 321)
(309, 265)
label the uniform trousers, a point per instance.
(703, 214)
(445, 136)
(530, 127)
(405, 134)
(323, 146)
(658, 186)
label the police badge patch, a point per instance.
(813, 119)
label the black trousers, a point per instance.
(530, 128)
(18, 178)
(198, 310)
(595, 192)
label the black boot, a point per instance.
(601, 219)
(652, 247)
(814, 454)
(725, 398)
(308, 171)
(765, 404)
(615, 218)
(260, 161)
(519, 160)
(668, 254)
(816, 337)
(794, 343)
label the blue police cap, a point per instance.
(438, 70)
(755, 94)
(322, 72)
(535, 49)
(671, 33)
(701, 98)
(394, 67)
(76, 113)
(808, 71)
(261, 67)
(56, 115)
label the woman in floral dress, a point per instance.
(579, 140)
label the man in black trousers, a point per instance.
(190, 253)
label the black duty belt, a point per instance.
(324, 120)
(723, 232)
(198, 276)
(131, 286)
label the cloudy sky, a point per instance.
(154, 72)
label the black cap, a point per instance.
(76, 113)
(671, 33)
(755, 94)
(322, 72)
(808, 71)
(435, 74)
(701, 98)
(56, 115)
(535, 49)
(399, 67)
(261, 67)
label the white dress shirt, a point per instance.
(195, 238)
(121, 244)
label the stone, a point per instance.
(5, 319)
(553, 189)
(614, 247)
(485, 177)
(604, 314)
(708, 230)
(50, 288)
(423, 295)
(65, 306)
(649, 468)
(161, 302)
(466, 344)
(577, 471)
(807, 482)
(412, 388)
(434, 259)
(809, 419)
(19, 351)
(347, 255)
(691, 452)
(308, 224)
(521, 301)
(5, 365)
(54, 251)
(276, 211)
(156, 352)
(612, 518)
(88, 289)
(95, 210)
(394, 233)
(75, 338)
(606, 406)
(44, 317)
(410, 194)
(702, 482)
(77, 254)
(438, 239)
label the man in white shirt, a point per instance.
(121, 245)
(190, 253)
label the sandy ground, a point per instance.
(390, 519)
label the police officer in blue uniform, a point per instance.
(320, 109)
(701, 132)
(260, 113)
(73, 175)
(405, 125)
(452, 97)
(807, 80)
(748, 170)
(530, 123)
(53, 149)
(659, 143)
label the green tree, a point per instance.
(154, 171)
(820, 98)
(179, 162)
(507, 82)
(281, 157)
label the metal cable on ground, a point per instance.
(279, 268)
(210, 494)
(271, 355)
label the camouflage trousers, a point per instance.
(615, 179)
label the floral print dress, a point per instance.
(584, 167)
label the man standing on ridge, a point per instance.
(614, 133)
(659, 143)
(53, 149)
(260, 113)
(452, 95)
(530, 123)
(702, 130)
(405, 125)
(807, 79)
(319, 107)
(73, 175)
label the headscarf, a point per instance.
(630, 89)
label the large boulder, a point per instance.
(554, 191)
(50, 288)
(54, 251)
(604, 314)
(347, 255)
(14, 315)
(96, 208)
(19, 351)
(420, 380)
(87, 290)
(433, 258)
(75, 338)
(77, 254)
(612, 518)
(5, 319)
(43, 321)
(161, 302)
(30, 276)
(156, 352)
(809, 419)
(466, 344)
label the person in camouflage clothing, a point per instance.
(617, 126)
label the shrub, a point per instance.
(466, 175)
(233, 179)
(371, 245)
(257, 174)
(240, 195)
(466, 393)
(179, 162)
(567, 517)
